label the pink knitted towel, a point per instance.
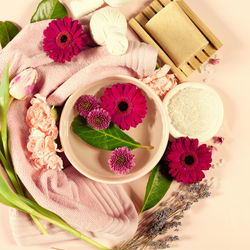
(91, 207)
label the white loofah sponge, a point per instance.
(108, 27)
(194, 110)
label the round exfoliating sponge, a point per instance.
(194, 110)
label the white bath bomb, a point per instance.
(81, 8)
(117, 43)
(108, 27)
(117, 3)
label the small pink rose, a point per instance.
(36, 140)
(38, 99)
(37, 163)
(47, 126)
(53, 161)
(41, 146)
(43, 132)
(52, 132)
(40, 116)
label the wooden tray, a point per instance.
(182, 72)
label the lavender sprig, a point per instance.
(158, 227)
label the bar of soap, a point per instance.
(176, 34)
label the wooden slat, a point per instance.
(187, 70)
(148, 12)
(163, 56)
(202, 56)
(194, 63)
(164, 2)
(156, 6)
(141, 19)
(210, 50)
(197, 21)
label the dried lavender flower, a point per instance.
(158, 227)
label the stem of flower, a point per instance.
(147, 147)
(11, 100)
(32, 208)
(10, 174)
(39, 225)
(16, 183)
(36, 220)
(60, 223)
(4, 149)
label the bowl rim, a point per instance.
(204, 136)
(162, 145)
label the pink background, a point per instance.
(222, 221)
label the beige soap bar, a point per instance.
(172, 29)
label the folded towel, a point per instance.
(93, 208)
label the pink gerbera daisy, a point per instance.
(126, 105)
(64, 39)
(187, 160)
(122, 160)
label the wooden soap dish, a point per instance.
(139, 25)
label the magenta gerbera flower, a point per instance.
(187, 160)
(99, 119)
(64, 39)
(85, 104)
(125, 104)
(122, 160)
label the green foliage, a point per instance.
(49, 9)
(8, 31)
(4, 106)
(157, 186)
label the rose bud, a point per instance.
(23, 84)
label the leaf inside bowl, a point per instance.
(108, 139)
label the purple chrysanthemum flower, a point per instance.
(85, 104)
(122, 160)
(64, 39)
(99, 119)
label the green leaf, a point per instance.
(8, 31)
(4, 106)
(108, 139)
(49, 9)
(157, 186)
(11, 174)
(6, 202)
(56, 220)
(39, 209)
(9, 198)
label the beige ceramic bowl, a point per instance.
(93, 162)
